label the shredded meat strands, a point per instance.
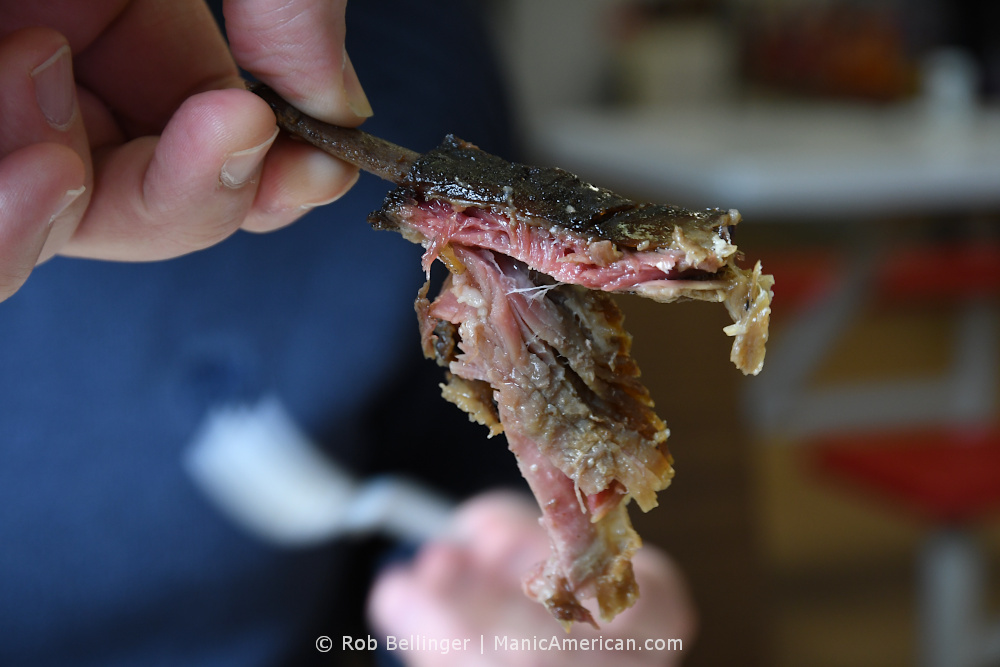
(534, 345)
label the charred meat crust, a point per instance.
(460, 173)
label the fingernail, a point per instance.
(70, 197)
(241, 166)
(55, 89)
(356, 98)
(347, 187)
(312, 205)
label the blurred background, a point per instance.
(838, 509)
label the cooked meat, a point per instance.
(582, 235)
(533, 344)
(549, 364)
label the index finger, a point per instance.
(297, 47)
(151, 57)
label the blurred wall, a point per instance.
(556, 50)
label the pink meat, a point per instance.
(569, 258)
(550, 364)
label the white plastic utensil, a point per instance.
(263, 472)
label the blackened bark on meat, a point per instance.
(459, 172)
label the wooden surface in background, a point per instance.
(838, 565)
(705, 519)
(787, 568)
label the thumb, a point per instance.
(297, 47)
(38, 184)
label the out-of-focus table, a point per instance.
(785, 161)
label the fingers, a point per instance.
(440, 595)
(150, 56)
(501, 529)
(297, 47)
(460, 588)
(193, 186)
(210, 172)
(39, 105)
(297, 178)
(160, 197)
(190, 188)
(31, 205)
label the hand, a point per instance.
(127, 135)
(458, 590)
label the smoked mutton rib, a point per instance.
(533, 344)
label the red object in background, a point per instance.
(801, 278)
(945, 475)
(948, 475)
(943, 272)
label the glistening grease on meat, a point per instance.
(534, 345)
